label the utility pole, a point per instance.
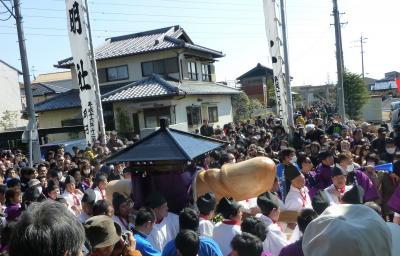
(287, 72)
(31, 131)
(362, 42)
(339, 61)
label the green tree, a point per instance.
(355, 94)
(240, 106)
(255, 104)
(7, 120)
(271, 98)
(124, 123)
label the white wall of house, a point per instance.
(134, 64)
(178, 109)
(9, 84)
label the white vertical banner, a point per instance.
(79, 42)
(272, 24)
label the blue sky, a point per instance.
(236, 28)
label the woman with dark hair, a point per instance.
(86, 174)
(52, 190)
(121, 211)
(13, 204)
(230, 226)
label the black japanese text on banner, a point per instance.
(78, 38)
(274, 45)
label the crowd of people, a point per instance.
(340, 179)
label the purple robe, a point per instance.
(293, 249)
(370, 192)
(324, 176)
(311, 183)
(394, 201)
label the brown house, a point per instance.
(254, 82)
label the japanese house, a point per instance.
(145, 76)
(255, 82)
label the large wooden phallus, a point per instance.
(241, 181)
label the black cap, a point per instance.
(13, 182)
(320, 201)
(267, 200)
(227, 207)
(337, 171)
(155, 200)
(291, 172)
(69, 180)
(354, 196)
(206, 203)
(382, 130)
(89, 196)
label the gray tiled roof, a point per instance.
(149, 41)
(152, 86)
(70, 99)
(41, 89)
(158, 86)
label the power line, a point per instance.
(150, 21)
(169, 6)
(140, 14)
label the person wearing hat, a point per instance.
(121, 211)
(224, 231)
(206, 205)
(379, 144)
(354, 196)
(355, 230)
(335, 192)
(270, 211)
(101, 185)
(104, 237)
(167, 223)
(88, 200)
(298, 197)
(72, 195)
(320, 202)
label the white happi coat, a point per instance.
(206, 227)
(99, 195)
(71, 201)
(333, 199)
(224, 233)
(297, 199)
(276, 239)
(248, 204)
(164, 232)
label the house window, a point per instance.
(206, 72)
(213, 114)
(192, 70)
(117, 73)
(162, 67)
(152, 116)
(193, 115)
